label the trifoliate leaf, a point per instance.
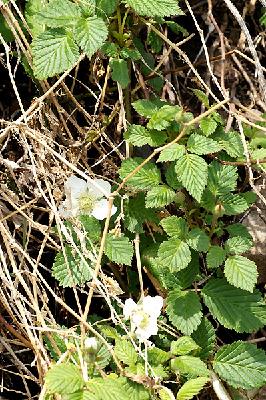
(215, 257)
(241, 364)
(139, 136)
(148, 176)
(184, 310)
(160, 196)
(200, 145)
(208, 125)
(162, 118)
(125, 351)
(233, 204)
(238, 230)
(71, 271)
(175, 226)
(193, 366)
(191, 388)
(234, 308)
(157, 356)
(241, 272)
(153, 8)
(205, 337)
(59, 13)
(172, 153)
(183, 346)
(238, 245)
(202, 97)
(120, 72)
(198, 240)
(174, 254)
(192, 172)
(146, 108)
(54, 51)
(90, 34)
(119, 249)
(222, 179)
(64, 379)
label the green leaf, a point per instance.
(79, 395)
(162, 118)
(134, 220)
(103, 357)
(232, 144)
(91, 226)
(160, 196)
(171, 178)
(208, 125)
(125, 351)
(222, 179)
(189, 365)
(192, 172)
(165, 393)
(234, 308)
(198, 240)
(184, 310)
(110, 49)
(55, 342)
(175, 227)
(205, 337)
(120, 72)
(119, 249)
(54, 51)
(157, 356)
(5, 30)
(106, 7)
(139, 136)
(71, 271)
(32, 10)
(200, 145)
(191, 388)
(90, 34)
(183, 346)
(146, 108)
(64, 379)
(238, 230)
(176, 28)
(233, 204)
(174, 254)
(155, 42)
(238, 245)
(172, 153)
(202, 97)
(153, 8)
(147, 177)
(215, 257)
(59, 13)
(241, 364)
(127, 53)
(241, 272)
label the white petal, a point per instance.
(129, 307)
(65, 211)
(100, 189)
(74, 186)
(152, 305)
(100, 210)
(151, 329)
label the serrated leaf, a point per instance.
(106, 7)
(155, 42)
(232, 144)
(148, 176)
(110, 49)
(192, 172)
(165, 394)
(91, 226)
(241, 272)
(146, 108)
(198, 240)
(55, 342)
(184, 310)
(125, 351)
(153, 8)
(234, 308)
(90, 34)
(200, 145)
(183, 346)
(205, 337)
(174, 254)
(109, 331)
(238, 245)
(59, 13)
(134, 220)
(238, 230)
(191, 388)
(119, 249)
(32, 10)
(208, 125)
(64, 379)
(175, 227)
(54, 51)
(120, 72)
(233, 204)
(103, 357)
(133, 54)
(157, 356)
(176, 28)
(171, 178)
(139, 136)
(202, 97)
(71, 271)
(222, 179)
(160, 196)
(80, 395)
(162, 118)
(241, 364)
(172, 153)
(193, 366)
(215, 257)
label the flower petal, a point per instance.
(145, 333)
(96, 189)
(74, 186)
(152, 305)
(129, 307)
(100, 210)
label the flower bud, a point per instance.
(218, 210)
(91, 345)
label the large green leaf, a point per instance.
(125, 351)
(192, 172)
(191, 388)
(32, 10)
(205, 337)
(174, 254)
(59, 13)
(54, 51)
(90, 34)
(153, 8)
(200, 145)
(193, 366)
(222, 179)
(234, 308)
(64, 379)
(172, 153)
(160, 196)
(148, 176)
(120, 72)
(241, 272)
(175, 226)
(241, 364)
(119, 249)
(184, 310)
(139, 136)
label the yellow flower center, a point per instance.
(86, 203)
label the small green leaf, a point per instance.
(184, 310)
(106, 7)
(91, 226)
(208, 125)
(174, 254)
(215, 257)
(153, 8)
(90, 34)
(238, 245)
(64, 379)
(172, 153)
(233, 204)
(165, 393)
(157, 356)
(241, 272)
(139, 136)
(160, 196)
(222, 179)
(148, 176)
(241, 364)
(5, 30)
(238, 230)
(134, 220)
(183, 346)
(120, 72)
(205, 337)
(146, 108)
(155, 42)
(119, 249)
(200, 145)
(175, 227)
(189, 365)
(162, 118)
(198, 240)
(191, 388)
(171, 178)
(127, 53)
(232, 144)
(59, 13)
(125, 351)
(202, 97)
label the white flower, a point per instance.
(86, 198)
(143, 316)
(91, 344)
